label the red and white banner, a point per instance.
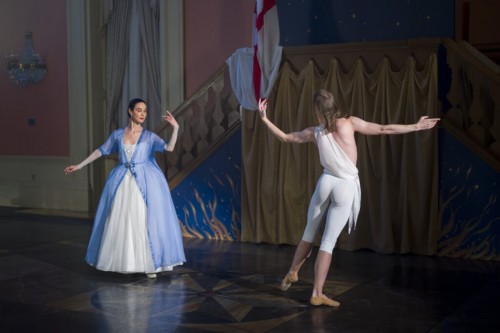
(254, 70)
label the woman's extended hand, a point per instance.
(70, 169)
(168, 117)
(262, 108)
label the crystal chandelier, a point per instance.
(28, 68)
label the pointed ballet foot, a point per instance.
(151, 275)
(323, 300)
(288, 280)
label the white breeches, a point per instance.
(336, 195)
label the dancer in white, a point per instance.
(338, 188)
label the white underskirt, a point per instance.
(125, 246)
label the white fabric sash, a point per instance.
(336, 163)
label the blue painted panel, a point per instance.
(469, 207)
(208, 201)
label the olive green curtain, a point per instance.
(398, 173)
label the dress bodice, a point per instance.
(129, 150)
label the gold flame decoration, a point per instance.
(200, 217)
(469, 237)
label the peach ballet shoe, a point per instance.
(288, 280)
(323, 300)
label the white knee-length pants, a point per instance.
(335, 195)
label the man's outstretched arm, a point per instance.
(367, 128)
(306, 135)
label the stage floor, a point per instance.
(45, 286)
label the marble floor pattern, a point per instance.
(45, 286)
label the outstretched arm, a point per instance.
(365, 127)
(306, 135)
(91, 158)
(173, 138)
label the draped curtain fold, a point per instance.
(149, 28)
(115, 21)
(132, 61)
(398, 173)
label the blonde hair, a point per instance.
(327, 110)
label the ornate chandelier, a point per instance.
(28, 68)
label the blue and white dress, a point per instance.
(136, 229)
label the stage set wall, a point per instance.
(53, 124)
(32, 156)
(468, 187)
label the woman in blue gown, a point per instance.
(136, 229)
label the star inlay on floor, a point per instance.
(213, 303)
(232, 287)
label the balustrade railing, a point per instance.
(474, 98)
(205, 120)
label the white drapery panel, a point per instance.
(257, 67)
